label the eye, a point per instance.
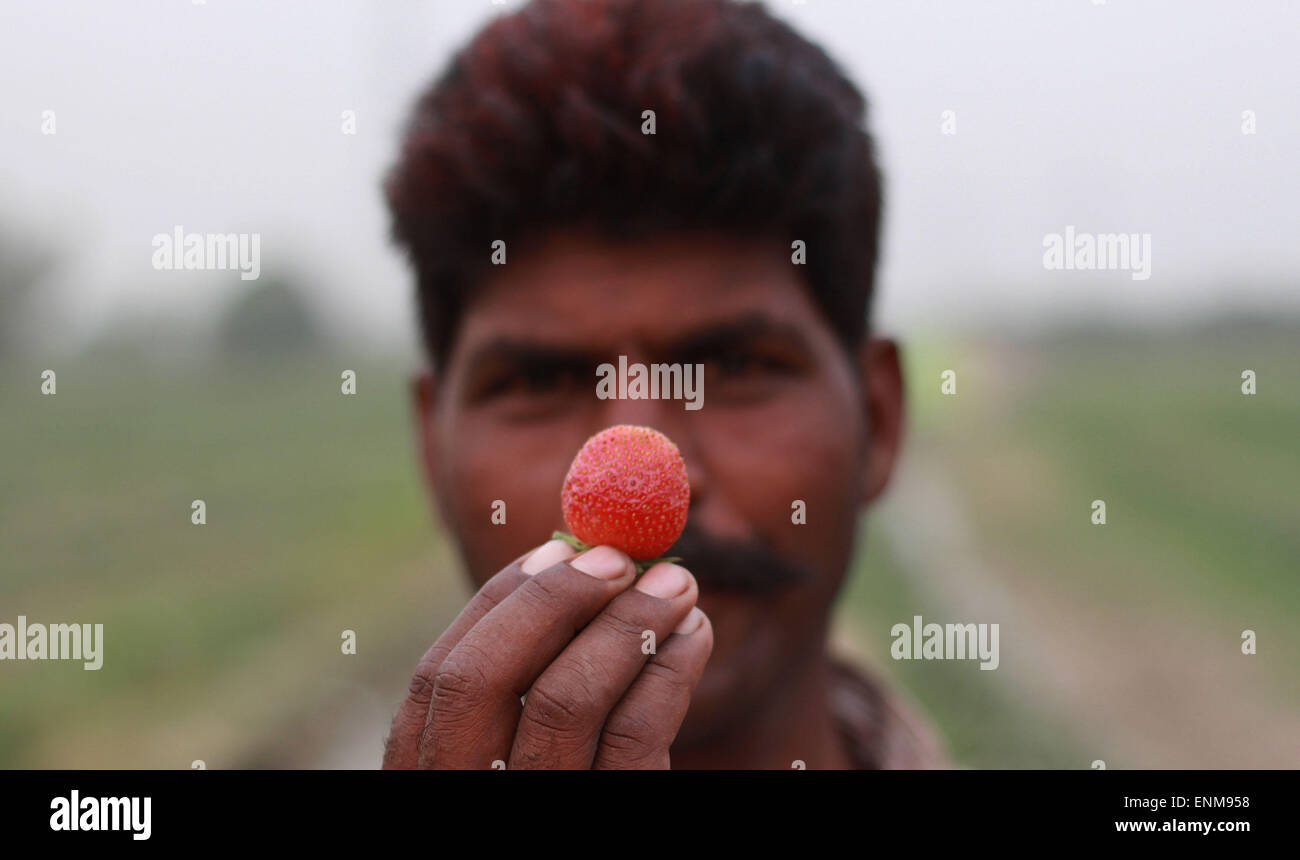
(533, 379)
(735, 363)
(747, 362)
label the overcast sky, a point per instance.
(1115, 117)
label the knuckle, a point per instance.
(616, 620)
(543, 594)
(633, 735)
(563, 707)
(459, 687)
(668, 674)
(420, 690)
(484, 600)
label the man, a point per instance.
(675, 181)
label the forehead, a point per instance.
(578, 289)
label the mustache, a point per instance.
(749, 567)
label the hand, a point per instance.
(566, 630)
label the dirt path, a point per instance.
(1142, 687)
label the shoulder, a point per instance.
(882, 727)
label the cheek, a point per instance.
(803, 446)
(516, 473)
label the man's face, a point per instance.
(787, 417)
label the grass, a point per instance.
(315, 522)
(1202, 533)
(981, 724)
(220, 636)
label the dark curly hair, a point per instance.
(537, 123)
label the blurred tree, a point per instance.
(270, 319)
(23, 263)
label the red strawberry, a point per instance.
(627, 488)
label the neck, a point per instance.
(794, 725)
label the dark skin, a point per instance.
(788, 415)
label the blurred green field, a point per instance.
(1121, 642)
(219, 636)
(223, 640)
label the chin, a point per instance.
(716, 705)
(707, 716)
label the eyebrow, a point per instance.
(708, 339)
(715, 338)
(524, 352)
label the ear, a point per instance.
(424, 404)
(880, 372)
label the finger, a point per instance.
(402, 747)
(642, 726)
(475, 705)
(567, 705)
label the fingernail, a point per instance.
(547, 554)
(603, 562)
(665, 580)
(692, 622)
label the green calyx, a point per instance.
(641, 566)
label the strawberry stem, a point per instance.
(570, 540)
(641, 566)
